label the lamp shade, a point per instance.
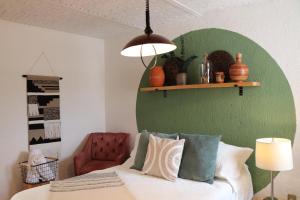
(147, 45)
(274, 154)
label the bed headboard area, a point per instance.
(266, 111)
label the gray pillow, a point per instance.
(143, 145)
(199, 157)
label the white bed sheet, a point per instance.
(144, 187)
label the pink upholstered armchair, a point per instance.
(102, 150)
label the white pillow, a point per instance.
(231, 160)
(136, 143)
(129, 162)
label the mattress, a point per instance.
(144, 187)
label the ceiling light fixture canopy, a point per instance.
(148, 44)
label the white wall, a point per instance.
(79, 60)
(275, 26)
(123, 75)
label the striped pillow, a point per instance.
(163, 157)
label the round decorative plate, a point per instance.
(221, 61)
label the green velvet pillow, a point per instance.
(143, 145)
(199, 157)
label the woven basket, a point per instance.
(44, 172)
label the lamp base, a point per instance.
(269, 198)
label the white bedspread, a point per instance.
(143, 187)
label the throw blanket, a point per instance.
(86, 182)
(106, 186)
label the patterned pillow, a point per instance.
(143, 145)
(163, 157)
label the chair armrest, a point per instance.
(83, 156)
(79, 161)
(122, 158)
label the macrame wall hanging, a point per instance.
(43, 112)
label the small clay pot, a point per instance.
(181, 78)
(220, 77)
(238, 72)
(157, 77)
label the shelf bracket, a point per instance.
(241, 91)
(165, 92)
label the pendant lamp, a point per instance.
(148, 44)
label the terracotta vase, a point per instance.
(157, 77)
(238, 72)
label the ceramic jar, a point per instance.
(181, 78)
(238, 72)
(157, 77)
(220, 77)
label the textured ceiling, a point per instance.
(109, 18)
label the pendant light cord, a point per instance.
(148, 29)
(155, 57)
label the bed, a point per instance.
(143, 187)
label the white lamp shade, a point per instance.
(147, 45)
(145, 50)
(274, 154)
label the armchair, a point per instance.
(102, 150)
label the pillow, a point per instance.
(142, 148)
(231, 160)
(199, 157)
(136, 142)
(129, 162)
(163, 157)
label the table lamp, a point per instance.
(273, 154)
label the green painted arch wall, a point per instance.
(267, 111)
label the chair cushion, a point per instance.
(109, 146)
(97, 165)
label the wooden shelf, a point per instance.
(240, 85)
